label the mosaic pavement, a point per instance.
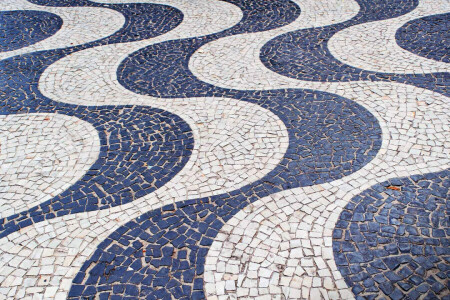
(224, 149)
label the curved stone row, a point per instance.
(141, 149)
(308, 215)
(234, 61)
(141, 20)
(144, 71)
(282, 246)
(78, 85)
(81, 22)
(277, 248)
(166, 56)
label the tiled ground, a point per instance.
(224, 149)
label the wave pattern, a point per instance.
(81, 24)
(145, 70)
(230, 143)
(374, 46)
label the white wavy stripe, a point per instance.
(372, 46)
(41, 155)
(233, 62)
(80, 25)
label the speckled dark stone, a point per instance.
(19, 29)
(428, 37)
(394, 239)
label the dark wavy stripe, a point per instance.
(20, 29)
(260, 15)
(304, 54)
(162, 253)
(428, 37)
(19, 75)
(393, 239)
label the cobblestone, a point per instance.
(192, 149)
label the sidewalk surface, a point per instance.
(224, 149)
